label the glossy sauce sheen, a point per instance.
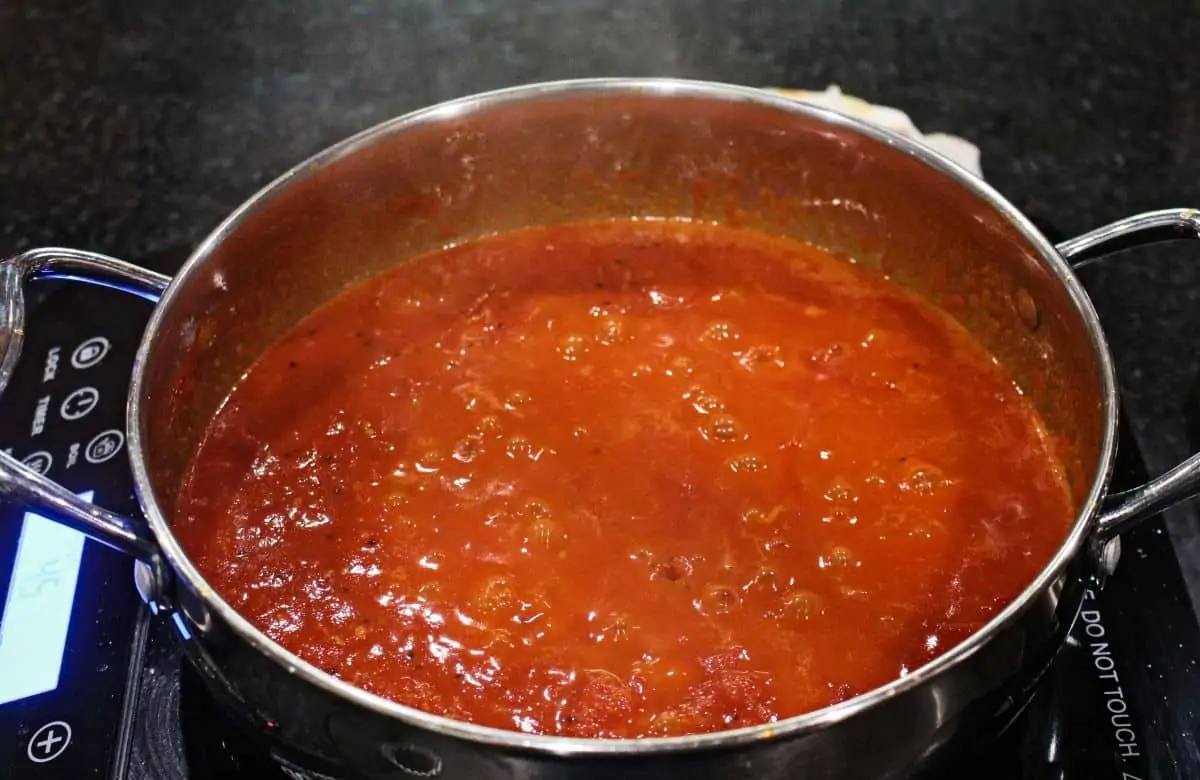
(623, 479)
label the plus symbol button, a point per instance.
(48, 742)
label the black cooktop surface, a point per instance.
(91, 686)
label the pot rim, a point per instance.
(815, 720)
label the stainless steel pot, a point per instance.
(604, 148)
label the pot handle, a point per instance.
(18, 483)
(1125, 509)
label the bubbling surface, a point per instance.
(623, 479)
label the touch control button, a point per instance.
(90, 352)
(104, 446)
(79, 403)
(39, 461)
(49, 742)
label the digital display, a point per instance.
(37, 611)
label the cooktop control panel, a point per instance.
(72, 626)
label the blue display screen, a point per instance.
(37, 611)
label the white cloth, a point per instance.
(957, 149)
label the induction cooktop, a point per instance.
(93, 686)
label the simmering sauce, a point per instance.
(623, 479)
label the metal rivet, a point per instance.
(143, 581)
(1110, 556)
(151, 579)
(413, 760)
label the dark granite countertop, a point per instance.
(133, 127)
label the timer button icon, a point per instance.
(48, 742)
(79, 403)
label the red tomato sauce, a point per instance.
(623, 479)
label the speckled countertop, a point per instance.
(133, 127)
